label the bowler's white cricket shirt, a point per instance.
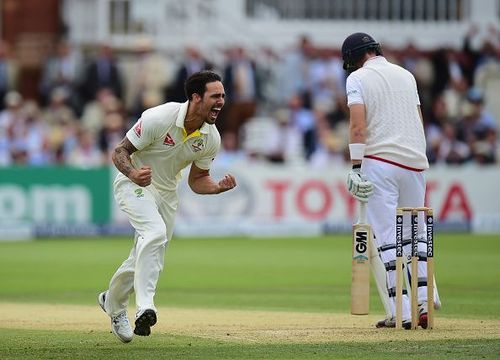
(394, 129)
(162, 143)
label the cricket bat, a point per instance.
(360, 286)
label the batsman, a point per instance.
(388, 153)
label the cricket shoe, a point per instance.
(120, 326)
(386, 323)
(407, 324)
(422, 315)
(391, 323)
(144, 321)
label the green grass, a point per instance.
(288, 274)
(63, 345)
(300, 274)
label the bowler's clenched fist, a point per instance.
(142, 176)
(227, 183)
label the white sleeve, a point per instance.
(144, 132)
(353, 90)
(209, 154)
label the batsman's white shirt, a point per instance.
(162, 143)
(394, 128)
(395, 156)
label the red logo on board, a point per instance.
(138, 129)
(168, 140)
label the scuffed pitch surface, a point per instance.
(245, 326)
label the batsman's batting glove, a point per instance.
(358, 185)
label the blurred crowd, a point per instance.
(286, 106)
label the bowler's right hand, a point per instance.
(358, 185)
(142, 176)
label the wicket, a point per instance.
(429, 218)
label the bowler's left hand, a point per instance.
(227, 183)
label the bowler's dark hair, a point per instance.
(196, 83)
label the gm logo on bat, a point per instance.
(360, 246)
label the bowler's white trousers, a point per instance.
(152, 215)
(395, 187)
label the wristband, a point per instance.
(357, 151)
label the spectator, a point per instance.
(268, 70)
(470, 57)
(476, 119)
(58, 108)
(27, 133)
(478, 127)
(451, 150)
(242, 90)
(418, 63)
(147, 72)
(102, 73)
(455, 90)
(62, 125)
(62, 70)
(11, 124)
(36, 140)
(229, 154)
(433, 126)
(302, 117)
(331, 143)
(455, 86)
(487, 74)
(95, 111)
(326, 78)
(193, 62)
(111, 133)
(295, 69)
(8, 72)
(85, 152)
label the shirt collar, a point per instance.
(376, 59)
(179, 122)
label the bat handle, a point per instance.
(362, 213)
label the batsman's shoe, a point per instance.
(120, 326)
(144, 321)
(422, 315)
(407, 324)
(386, 323)
(391, 323)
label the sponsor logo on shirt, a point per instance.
(138, 129)
(139, 193)
(198, 145)
(168, 140)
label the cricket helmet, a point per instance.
(354, 47)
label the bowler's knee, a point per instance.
(156, 235)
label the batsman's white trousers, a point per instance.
(395, 187)
(152, 215)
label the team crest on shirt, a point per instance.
(168, 140)
(138, 129)
(198, 145)
(139, 192)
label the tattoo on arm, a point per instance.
(121, 156)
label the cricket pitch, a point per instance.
(245, 326)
